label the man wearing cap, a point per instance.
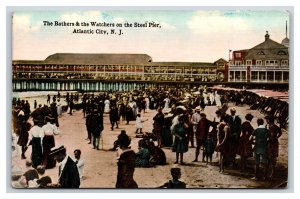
(68, 172)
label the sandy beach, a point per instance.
(100, 169)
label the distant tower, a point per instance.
(286, 40)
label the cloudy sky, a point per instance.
(202, 35)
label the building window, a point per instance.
(271, 63)
(284, 62)
(258, 62)
(238, 63)
(249, 62)
(281, 53)
(254, 75)
(267, 62)
(243, 75)
(261, 53)
(270, 76)
(238, 55)
(262, 76)
(285, 76)
(231, 75)
(278, 76)
(238, 75)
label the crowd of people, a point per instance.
(37, 129)
(180, 124)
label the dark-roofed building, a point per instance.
(97, 59)
(265, 62)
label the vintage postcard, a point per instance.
(152, 99)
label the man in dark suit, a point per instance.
(68, 172)
(94, 125)
(201, 135)
(235, 124)
(158, 124)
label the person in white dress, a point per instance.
(211, 98)
(106, 106)
(167, 103)
(59, 108)
(139, 123)
(218, 100)
(147, 103)
(205, 97)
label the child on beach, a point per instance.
(175, 183)
(139, 124)
(209, 148)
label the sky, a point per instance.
(183, 35)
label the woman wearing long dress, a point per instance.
(143, 155)
(126, 164)
(180, 145)
(49, 142)
(106, 106)
(218, 99)
(245, 146)
(167, 137)
(36, 135)
(59, 108)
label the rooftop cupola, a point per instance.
(267, 36)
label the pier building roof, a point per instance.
(267, 50)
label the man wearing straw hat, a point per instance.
(68, 172)
(195, 120)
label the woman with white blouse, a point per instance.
(49, 142)
(36, 135)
